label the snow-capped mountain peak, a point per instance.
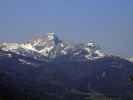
(51, 46)
(51, 36)
(91, 44)
(93, 50)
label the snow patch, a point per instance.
(24, 61)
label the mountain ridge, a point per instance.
(51, 46)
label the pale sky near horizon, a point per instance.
(108, 22)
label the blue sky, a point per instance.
(108, 22)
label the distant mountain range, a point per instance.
(48, 68)
(51, 47)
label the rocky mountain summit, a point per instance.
(51, 47)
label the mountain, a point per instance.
(65, 72)
(51, 47)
